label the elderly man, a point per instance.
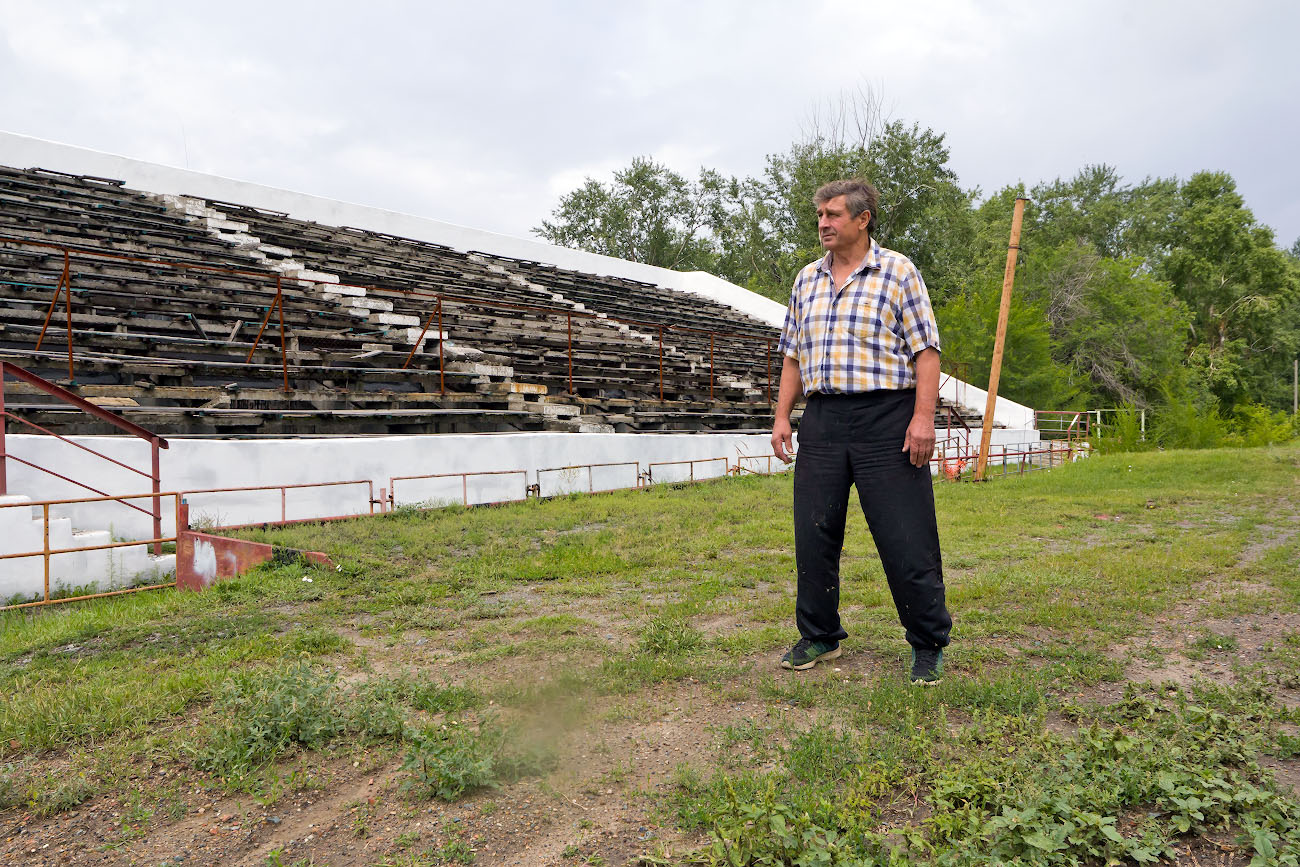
(861, 343)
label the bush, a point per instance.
(452, 760)
(268, 713)
(1121, 432)
(1256, 425)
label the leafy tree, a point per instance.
(924, 212)
(1119, 330)
(1242, 292)
(647, 214)
(1029, 375)
(1098, 209)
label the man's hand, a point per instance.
(919, 441)
(783, 442)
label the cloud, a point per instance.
(486, 113)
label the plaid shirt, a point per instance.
(865, 336)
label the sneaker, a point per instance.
(805, 654)
(927, 666)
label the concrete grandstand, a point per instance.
(276, 339)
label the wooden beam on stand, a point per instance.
(999, 342)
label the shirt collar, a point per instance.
(870, 262)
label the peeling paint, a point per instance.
(205, 562)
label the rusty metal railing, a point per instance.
(650, 469)
(284, 489)
(47, 552)
(591, 477)
(767, 460)
(464, 482)
(1073, 426)
(155, 442)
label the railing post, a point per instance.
(67, 306)
(710, 365)
(4, 460)
(769, 370)
(157, 503)
(569, 318)
(661, 363)
(442, 377)
(284, 358)
(45, 521)
(419, 340)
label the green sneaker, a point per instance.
(805, 654)
(927, 666)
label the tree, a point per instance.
(1242, 292)
(924, 212)
(1117, 328)
(1029, 375)
(648, 214)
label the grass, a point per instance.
(472, 650)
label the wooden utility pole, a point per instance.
(999, 342)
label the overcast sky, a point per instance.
(484, 113)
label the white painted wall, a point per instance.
(198, 464)
(194, 464)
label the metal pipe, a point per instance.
(67, 306)
(157, 501)
(419, 340)
(442, 376)
(284, 356)
(710, 365)
(64, 478)
(661, 363)
(73, 443)
(45, 524)
(258, 338)
(80, 402)
(91, 596)
(106, 546)
(769, 371)
(54, 302)
(4, 483)
(569, 318)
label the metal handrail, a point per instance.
(464, 482)
(47, 552)
(156, 442)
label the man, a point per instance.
(861, 342)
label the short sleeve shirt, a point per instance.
(865, 334)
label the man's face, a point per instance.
(839, 231)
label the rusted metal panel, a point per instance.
(202, 559)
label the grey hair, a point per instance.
(858, 195)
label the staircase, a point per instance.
(92, 569)
(42, 555)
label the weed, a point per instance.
(268, 712)
(451, 760)
(669, 637)
(1210, 642)
(455, 852)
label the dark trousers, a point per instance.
(857, 440)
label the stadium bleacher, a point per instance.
(179, 305)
